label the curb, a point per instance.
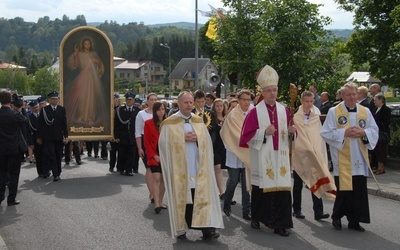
(384, 194)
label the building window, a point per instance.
(157, 77)
(128, 75)
(176, 83)
(157, 68)
(145, 67)
(122, 75)
(145, 74)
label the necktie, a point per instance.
(54, 108)
(129, 109)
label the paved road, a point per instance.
(91, 208)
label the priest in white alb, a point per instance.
(265, 132)
(186, 156)
(350, 130)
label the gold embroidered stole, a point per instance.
(344, 155)
(179, 172)
(274, 167)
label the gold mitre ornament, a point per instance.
(267, 76)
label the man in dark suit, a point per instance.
(326, 105)
(33, 125)
(12, 146)
(362, 96)
(124, 133)
(208, 115)
(52, 133)
(373, 90)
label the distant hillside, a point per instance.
(343, 33)
(182, 25)
(94, 24)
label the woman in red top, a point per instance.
(150, 137)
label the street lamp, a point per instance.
(169, 66)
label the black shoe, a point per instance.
(211, 236)
(281, 232)
(56, 178)
(96, 156)
(227, 212)
(104, 158)
(128, 173)
(111, 170)
(255, 224)
(41, 176)
(157, 210)
(89, 155)
(135, 172)
(67, 163)
(247, 216)
(356, 227)
(233, 202)
(299, 215)
(221, 197)
(45, 176)
(321, 216)
(79, 163)
(122, 172)
(182, 237)
(13, 203)
(337, 224)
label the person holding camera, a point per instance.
(12, 146)
(52, 133)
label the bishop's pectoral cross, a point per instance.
(358, 164)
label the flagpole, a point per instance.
(196, 49)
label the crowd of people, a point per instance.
(185, 149)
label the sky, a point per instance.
(147, 11)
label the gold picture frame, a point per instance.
(87, 83)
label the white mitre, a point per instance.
(267, 76)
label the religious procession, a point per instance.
(270, 148)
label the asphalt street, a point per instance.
(91, 208)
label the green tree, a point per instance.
(288, 35)
(14, 79)
(376, 37)
(45, 81)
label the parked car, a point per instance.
(395, 108)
